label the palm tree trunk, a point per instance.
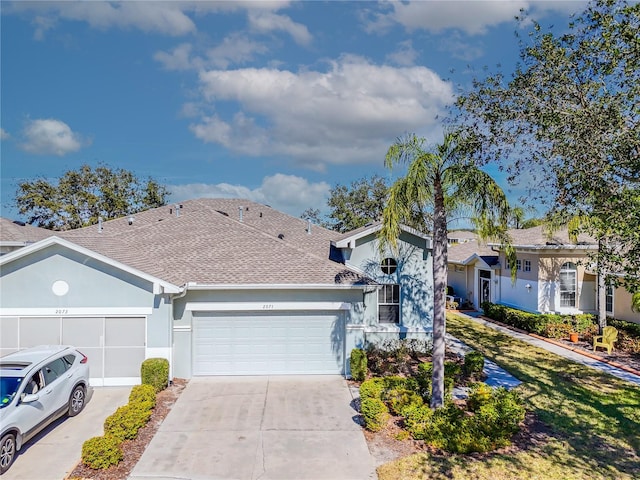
(439, 293)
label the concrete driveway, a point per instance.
(55, 451)
(267, 428)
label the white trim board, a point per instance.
(264, 306)
(76, 312)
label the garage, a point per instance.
(115, 346)
(268, 343)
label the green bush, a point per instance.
(423, 377)
(473, 364)
(358, 363)
(101, 452)
(155, 372)
(145, 394)
(497, 414)
(479, 394)
(372, 388)
(375, 413)
(125, 422)
(628, 335)
(398, 399)
(452, 369)
(394, 382)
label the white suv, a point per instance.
(37, 386)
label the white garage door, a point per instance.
(115, 346)
(268, 343)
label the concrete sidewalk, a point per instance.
(558, 350)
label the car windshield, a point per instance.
(8, 388)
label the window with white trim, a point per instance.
(389, 303)
(609, 299)
(568, 285)
(527, 265)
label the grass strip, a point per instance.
(594, 419)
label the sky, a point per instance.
(274, 101)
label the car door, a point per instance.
(56, 385)
(30, 416)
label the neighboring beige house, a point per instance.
(552, 275)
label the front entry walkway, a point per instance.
(267, 428)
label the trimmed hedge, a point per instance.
(372, 388)
(101, 452)
(358, 363)
(144, 394)
(125, 422)
(155, 372)
(375, 413)
(398, 399)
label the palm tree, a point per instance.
(635, 302)
(438, 183)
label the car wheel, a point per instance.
(76, 401)
(7, 452)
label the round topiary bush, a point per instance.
(125, 422)
(101, 452)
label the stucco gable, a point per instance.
(159, 286)
(349, 239)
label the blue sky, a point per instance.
(272, 101)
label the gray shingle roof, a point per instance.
(460, 252)
(11, 231)
(207, 244)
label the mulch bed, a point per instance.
(133, 449)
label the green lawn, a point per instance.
(594, 419)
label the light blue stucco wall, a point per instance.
(26, 283)
(414, 275)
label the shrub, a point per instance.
(358, 362)
(479, 394)
(497, 416)
(125, 422)
(452, 369)
(399, 399)
(375, 413)
(101, 452)
(145, 394)
(423, 377)
(394, 382)
(155, 372)
(372, 388)
(473, 364)
(628, 335)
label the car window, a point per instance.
(53, 370)
(34, 384)
(8, 388)
(68, 360)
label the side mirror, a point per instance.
(30, 398)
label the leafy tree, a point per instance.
(441, 182)
(570, 117)
(313, 214)
(355, 206)
(82, 196)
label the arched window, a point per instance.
(568, 285)
(389, 266)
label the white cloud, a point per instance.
(4, 135)
(405, 55)
(347, 114)
(178, 59)
(50, 137)
(472, 16)
(264, 22)
(287, 193)
(159, 17)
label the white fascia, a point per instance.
(267, 286)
